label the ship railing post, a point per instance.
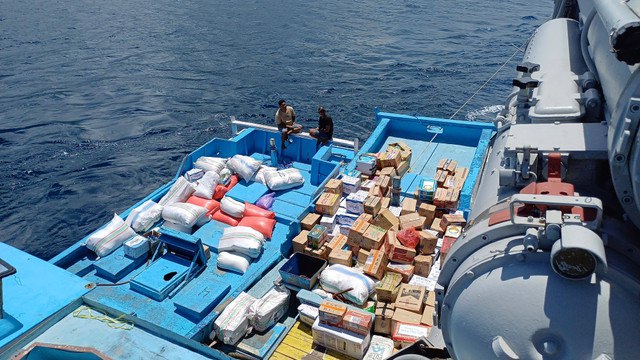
(234, 126)
(356, 146)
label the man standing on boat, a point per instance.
(286, 122)
(324, 132)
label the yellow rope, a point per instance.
(85, 312)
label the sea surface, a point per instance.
(100, 100)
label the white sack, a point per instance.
(234, 262)
(179, 192)
(283, 179)
(144, 216)
(183, 213)
(214, 164)
(260, 174)
(337, 278)
(243, 240)
(265, 312)
(245, 166)
(110, 237)
(207, 185)
(232, 207)
(233, 324)
(225, 176)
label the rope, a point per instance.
(486, 82)
(85, 312)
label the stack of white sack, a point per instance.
(245, 166)
(337, 278)
(214, 164)
(225, 176)
(238, 247)
(179, 192)
(269, 309)
(207, 185)
(259, 178)
(233, 324)
(283, 179)
(183, 216)
(110, 237)
(144, 216)
(232, 207)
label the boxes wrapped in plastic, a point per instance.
(233, 324)
(308, 314)
(266, 311)
(343, 341)
(144, 216)
(136, 247)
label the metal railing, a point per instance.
(235, 124)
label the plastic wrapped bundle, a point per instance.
(214, 164)
(110, 237)
(207, 185)
(233, 324)
(243, 240)
(265, 312)
(266, 201)
(283, 179)
(144, 216)
(260, 174)
(233, 262)
(232, 207)
(179, 192)
(245, 166)
(337, 278)
(184, 214)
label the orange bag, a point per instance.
(254, 210)
(221, 190)
(261, 224)
(211, 205)
(224, 218)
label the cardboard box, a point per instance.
(450, 182)
(388, 171)
(403, 168)
(366, 164)
(411, 297)
(406, 270)
(384, 182)
(435, 226)
(405, 150)
(350, 184)
(331, 312)
(429, 212)
(328, 203)
(358, 321)
(447, 242)
(398, 252)
(384, 316)
(386, 220)
(385, 202)
(372, 205)
(387, 289)
(431, 299)
(367, 185)
(337, 243)
(358, 229)
(412, 220)
(310, 220)
(453, 219)
(423, 265)
(340, 256)
(329, 221)
(391, 157)
(405, 316)
(428, 242)
(322, 252)
(427, 316)
(375, 264)
(460, 176)
(406, 334)
(409, 206)
(363, 254)
(345, 218)
(334, 186)
(427, 189)
(373, 237)
(451, 167)
(300, 241)
(355, 202)
(317, 236)
(340, 340)
(453, 231)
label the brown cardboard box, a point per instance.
(300, 241)
(404, 316)
(453, 219)
(385, 202)
(363, 254)
(450, 182)
(384, 182)
(207, 251)
(357, 230)
(428, 242)
(428, 211)
(372, 205)
(331, 312)
(337, 243)
(405, 150)
(460, 176)
(431, 299)
(328, 203)
(440, 197)
(409, 206)
(442, 164)
(373, 237)
(412, 220)
(367, 185)
(387, 288)
(398, 252)
(435, 226)
(358, 321)
(451, 201)
(334, 186)
(375, 264)
(391, 157)
(441, 176)
(388, 171)
(404, 334)
(451, 167)
(403, 168)
(406, 270)
(427, 316)
(411, 297)
(423, 265)
(310, 221)
(447, 242)
(339, 256)
(322, 253)
(384, 316)
(386, 220)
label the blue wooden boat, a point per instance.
(69, 303)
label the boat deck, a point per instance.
(298, 344)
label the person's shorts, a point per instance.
(296, 127)
(322, 137)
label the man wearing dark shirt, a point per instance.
(324, 132)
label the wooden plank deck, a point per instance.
(298, 344)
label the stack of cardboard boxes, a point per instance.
(369, 234)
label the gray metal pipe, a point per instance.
(623, 26)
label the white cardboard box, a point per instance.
(343, 341)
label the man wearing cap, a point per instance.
(286, 122)
(324, 132)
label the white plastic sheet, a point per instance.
(337, 278)
(265, 312)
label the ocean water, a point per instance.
(100, 100)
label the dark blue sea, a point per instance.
(100, 100)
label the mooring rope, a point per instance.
(85, 312)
